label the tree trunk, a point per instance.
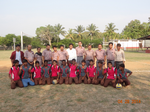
(50, 42)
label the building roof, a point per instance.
(145, 38)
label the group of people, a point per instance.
(68, 66)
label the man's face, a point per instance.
(109, 65)
(18, 48)
(48, 47)
(61, 48)
(45, 63)
(110, 46)
(37, 64)
(83, 64)
(17, 64)
(89, 47)
(91, 62)
(29, 47)
(80, 44)
(99, 64)
(55, 48)
(64, 63)
(70, 46)
(100, 47)
(121, 68)
(39, 49)
(25, 63)
(118, 47)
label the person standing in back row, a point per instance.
(29, 56)
(17, 55)
(89, 55)
(119, 56)
(80, 52)
(47, 54)
(100, 55)
(72, 53)
(110, 52)
(63, 55)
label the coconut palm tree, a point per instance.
(110, 29)
(70, 34)
(92, 29)
(79, 30)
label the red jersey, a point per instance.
(14, 73)
(55, 70)
(91, 71)
(73, 70)
(111, 74)
(37, 72)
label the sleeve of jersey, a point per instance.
(32, 70)
(87, 70)
(128, 71)
(105, 71)
(116, 71)
(41, 70)
(58, 69)
(10, 71)
(78, 68)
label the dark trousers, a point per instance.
(91, 81)
(46, 80)
(79, 59)
(53, 78)
(37, 81)
(118, 63)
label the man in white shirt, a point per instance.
(72, 53)
(119, 56)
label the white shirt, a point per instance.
(72, 54)
(18, 57)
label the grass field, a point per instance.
(80, 98)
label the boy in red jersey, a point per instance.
(14, 75)
(64, 73)
(73, 72)
(55, 71)
(111, 75)
(37, 73)
(91, 71)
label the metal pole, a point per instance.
(14, 46)
(21, 41)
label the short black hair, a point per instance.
(100, 62)
(15, 61)
(63, 60)
(45, 61)
(73, 59)
(119, 44)
(100, 44)
(91, 60)
(37, 62)
(54, 61)
(70, 44)
(83, 61)
(61, 46)
(54, 46)
(38, 48)
(89, 45)
(110, 43)
(110, 62)
(17, 45)
(24, 61)
(122, 65)
(47, 45)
